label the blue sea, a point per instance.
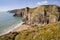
(8, 21)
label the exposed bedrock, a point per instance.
(40, 15)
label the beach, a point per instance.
(12, 28)
(17, 28)
(8, 22)
(21, 28)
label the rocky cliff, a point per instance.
(40, 15)
(46, 14)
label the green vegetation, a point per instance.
(9, 36)
(47, 32)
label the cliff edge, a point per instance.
(39, 15)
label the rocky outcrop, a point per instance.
(43, 15)
(40, 15)
(20, 12)
(9, 36)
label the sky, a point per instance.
(6, 5)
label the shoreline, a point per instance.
(21, 28)
(12, 29)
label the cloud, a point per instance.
(42, 2)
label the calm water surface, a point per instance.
(8, 21)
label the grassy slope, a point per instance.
(47, 32)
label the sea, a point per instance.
(8, 22)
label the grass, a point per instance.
(47, 32)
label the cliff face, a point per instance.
(40, 15)
(19, 12)
(43, 15)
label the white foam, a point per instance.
(11, 28)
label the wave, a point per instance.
(10, 29)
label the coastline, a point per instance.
(21, 28)
(12, 29)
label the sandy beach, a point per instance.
(21, 28)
